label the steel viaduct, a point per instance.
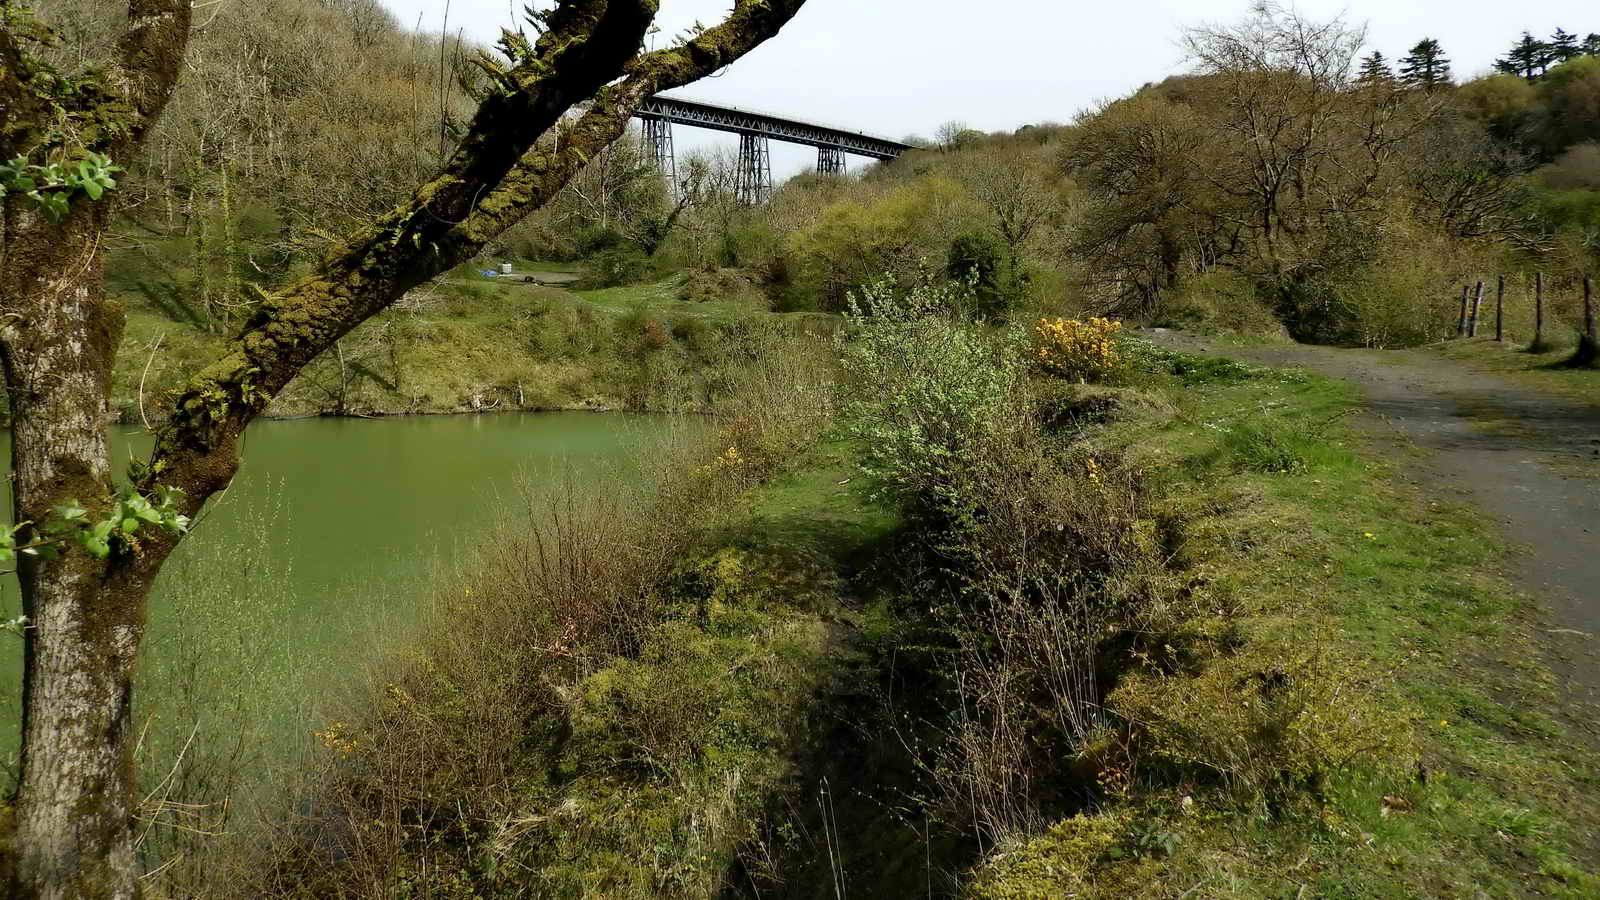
(756, 131)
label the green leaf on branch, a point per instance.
(70, 511)
(52, 186)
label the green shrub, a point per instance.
(1219, 300)
(749, 244)
(1575, 210)
(1076, 857)
(927, 396)
(851, 243)
(998, 286)
(594, 239)
(1404, 292)
(1398, 302)
(616, 266)
(692, 331)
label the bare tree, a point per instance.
(59, 333)
(622, 191)
(1282, 81)
(1470, 187)
(1016, 189)
(949, 134)
(1266, 161)
(1139, 161)
(708, 226)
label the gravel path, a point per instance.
(1529, 459)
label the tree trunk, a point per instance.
(1500, 309)
(1538, 312)
(1588, 353)
(58, 341)
(1472, 321)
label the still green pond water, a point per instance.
(324, 545)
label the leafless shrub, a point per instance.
(1061, 561)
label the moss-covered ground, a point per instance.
(1316, 553)
(1426, 755)
(662, 783)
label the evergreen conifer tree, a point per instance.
(1564, 46)
(1591, 44)
(1529, 57)
(1375, 70)
(1425, 67)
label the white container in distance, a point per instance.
(505, 268)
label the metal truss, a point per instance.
(754, 184)
(656, 144)
(742, 122)
(830, 161)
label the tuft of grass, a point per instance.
(1149, 359)
(1268, 446)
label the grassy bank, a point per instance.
(1354, 707)
(1186, 632)
(1548, 369)
(472, 344)
(602, 700)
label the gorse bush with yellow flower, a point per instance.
(1078, 349)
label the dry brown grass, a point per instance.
(1061, 565)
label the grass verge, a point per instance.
(1547, 370)
(1320, 573)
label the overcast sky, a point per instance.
(899, 67)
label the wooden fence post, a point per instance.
(1588, 344)
(1538, 313)
(1461, 323)
(1477, 301)
(1588, 307)
(1500, 310)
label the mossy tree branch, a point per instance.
(149, 60)
(48, 113)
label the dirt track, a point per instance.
(1529, 459)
